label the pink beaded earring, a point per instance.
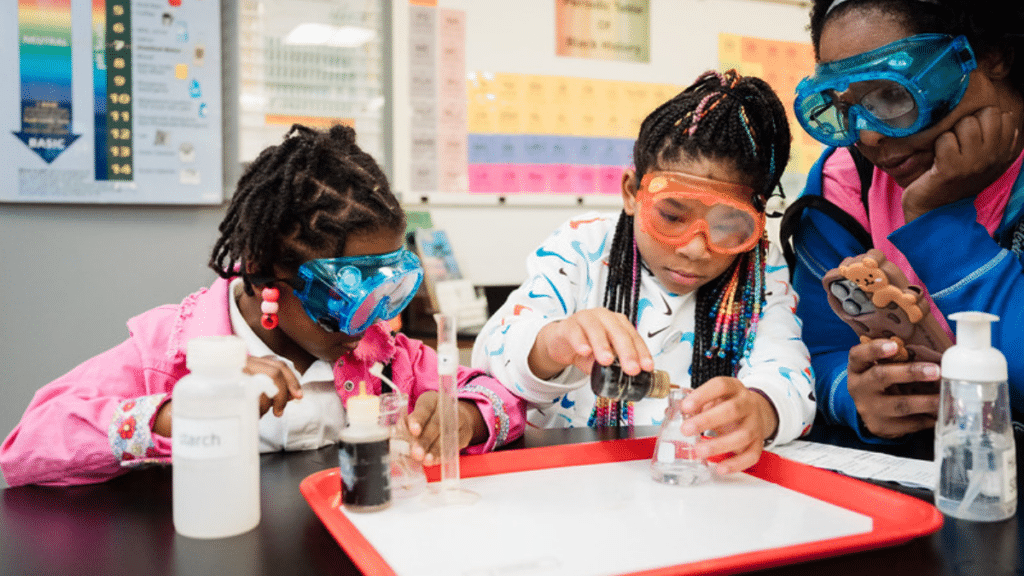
(269, 307)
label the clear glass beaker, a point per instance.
(407, 477)
(674, 461)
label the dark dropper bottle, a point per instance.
(612, 383)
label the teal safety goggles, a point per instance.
(349, 294)
(897, 90)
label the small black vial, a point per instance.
(610, 382)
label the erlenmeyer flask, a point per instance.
(673, 461)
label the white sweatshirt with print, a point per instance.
(568, 273)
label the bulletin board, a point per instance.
(111, 101)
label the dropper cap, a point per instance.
(973, 358)
(363, 409)
(660, 385)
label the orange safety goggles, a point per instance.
(675, 206)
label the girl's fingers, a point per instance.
(278, 371)
(737, 440)
(899, 427)
(630, 348)
(879, 377)
(908, 405)
(636, 351)
(426, 440)
(864, 356)
(282, 377)
(718, 418)
(565, 342)
(578, 342)
(429, 444)
(710, 394)
(423, 413)
(599, 335)
(740, 461)
(594, 331)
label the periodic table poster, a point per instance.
(111, 101)
(537, 133)
(568, 135)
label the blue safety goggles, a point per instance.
(897, 90)
(350, 294)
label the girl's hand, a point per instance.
(425, 427)
(887, 414)
(968, 158)
(287, 388)
(740, 418)
(281, 375)
(597, 334)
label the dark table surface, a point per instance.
(124, 526)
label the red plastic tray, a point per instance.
(897, 518)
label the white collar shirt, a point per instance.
(308, 423)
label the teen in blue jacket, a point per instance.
(929, 96)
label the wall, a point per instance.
(72, 275)
(684, 43)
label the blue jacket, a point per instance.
(961, 265)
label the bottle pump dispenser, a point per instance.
(974, 444)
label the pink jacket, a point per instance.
(95, 422)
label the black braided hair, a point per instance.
(302, 197)
(988, 25)
(722, 117)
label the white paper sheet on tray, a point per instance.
(597, 519)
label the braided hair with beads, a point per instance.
(723, 117)
(306, 195)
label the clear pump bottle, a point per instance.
(215, 449)
(974, 444)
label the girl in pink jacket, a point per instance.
(312, 264)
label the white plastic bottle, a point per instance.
(215, 450)
(974, 447)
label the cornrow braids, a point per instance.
(303, 196)
(622, 294)
(728, 313)
(721, 117)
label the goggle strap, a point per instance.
(297, 283)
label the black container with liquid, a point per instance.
(612, 383)
(365, 474)
(364, 458)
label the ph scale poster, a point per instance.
(112, 68)
(111, 101)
